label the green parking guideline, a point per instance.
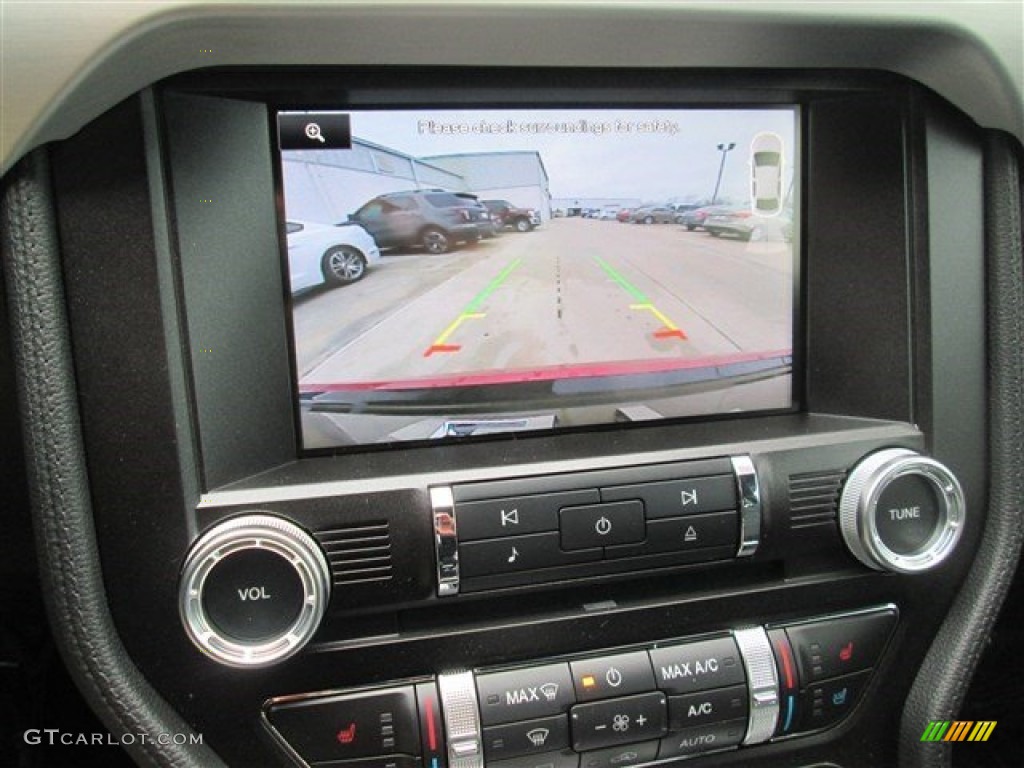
(492, 286)
(635, 292)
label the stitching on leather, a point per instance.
(53, 473)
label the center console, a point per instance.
(583, 420)
(630, 706)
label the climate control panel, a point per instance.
(625, 707)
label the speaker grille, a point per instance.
(814, 498)
(358, 553)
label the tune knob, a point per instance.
(900, 511)
(253, 590)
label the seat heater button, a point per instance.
(366, 724)
(826, 703)
(832, 647)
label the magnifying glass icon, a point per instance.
(313, 132)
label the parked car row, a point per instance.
(717, 220)
(434, 219)
(748, 225)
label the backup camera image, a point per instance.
(465, 273)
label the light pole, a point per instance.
(724, 149)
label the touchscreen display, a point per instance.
(459, 273)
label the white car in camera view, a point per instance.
(332, 254)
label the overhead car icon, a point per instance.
(766, 173)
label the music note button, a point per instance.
(514, 554)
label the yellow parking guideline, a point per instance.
(670, 329)
(458, 321)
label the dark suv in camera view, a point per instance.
(505, 214)
(433, 218)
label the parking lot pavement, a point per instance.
(573, 292)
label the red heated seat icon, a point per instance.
(846, 652)
(347, 735)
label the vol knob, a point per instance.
(900, 511)
(253, 590)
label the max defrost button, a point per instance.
(601, 525)
(524, 694)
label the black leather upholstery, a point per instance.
(943, 679)
(62, 514)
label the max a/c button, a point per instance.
(698, 666)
